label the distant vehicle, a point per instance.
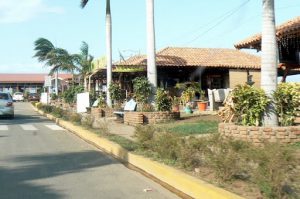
(6, 105)
(33, 97)
(18, 96)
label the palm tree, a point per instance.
(83, 62)
(269, 59)
(151, 60)
(108, 47)
(48, 53)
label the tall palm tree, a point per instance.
(108, 47)
(54, 57)
(269, 59)
(151, 60)
(83, 62)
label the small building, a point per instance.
(214, 67)
(28, 82)
(288, 40)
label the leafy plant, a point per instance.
(115, 92)
(163, 100)
(144, 136)
(69, 95)
(101, 101)
(249, 104)
(142, 89)
(287, 101)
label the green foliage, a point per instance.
(226, 157)
(249, 104)
(101, 101)
(69, 95)
(125, 143)
(47, 108)
(75, 118)
(53, 96)
(142, 89)
(144, 136)
(274, 166)
(167, 145)
(287, 101)
(190, 154)
(115, 92)
(163, 100)
(201, 127)
(57, 112)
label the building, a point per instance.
(288, 40)
(28, 82)
(213, 67)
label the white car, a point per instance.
(18, 96)
(6, 105)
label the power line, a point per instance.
(222, 19)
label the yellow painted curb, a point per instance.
(177, 179)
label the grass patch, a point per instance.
(201, 127)
(125, 143)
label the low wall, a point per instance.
(134, 118)
(102, 112)
(258, 135)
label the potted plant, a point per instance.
(202, 103)
(186, 98)
(175, 104)
(163, 100)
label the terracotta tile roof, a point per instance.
(291, 27)
(27, 78)
(205, 57)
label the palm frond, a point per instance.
(83, 3)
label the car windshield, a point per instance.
(18, 93)
(4, 96)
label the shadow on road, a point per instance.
(18, 182)
(23, 119)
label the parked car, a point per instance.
(18, 96)
(6, 105)
(33, 97)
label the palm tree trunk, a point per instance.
(151, 60)
(56, 82)
(269, 61)
(85, 83)
(108, 51)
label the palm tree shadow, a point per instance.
(16, 182)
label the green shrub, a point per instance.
(87, 121)
(167, 145)
(144, 136)
(47, 108)
(249, 104)
(115, 93)
(274, 165)
(57, 112)
(53, 96)
(226, 157)
(287, 102)
(70, 94)
(142, 90)
(39, 105)
(75, 118)
(191, 152)
(162, 100)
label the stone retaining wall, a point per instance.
(134, 118)
(258, 135)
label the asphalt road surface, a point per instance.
(39, 159)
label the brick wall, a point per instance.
(102, 112)
(258, 135)
(134, 118)
(240, 77)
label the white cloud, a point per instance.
(16, 11)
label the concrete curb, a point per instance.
(177, 179)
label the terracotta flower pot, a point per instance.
(202, 106)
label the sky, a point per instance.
(188, 23)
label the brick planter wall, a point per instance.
(258, 135)
(102, 112)
(134, 118)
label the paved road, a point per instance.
(38, 159)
